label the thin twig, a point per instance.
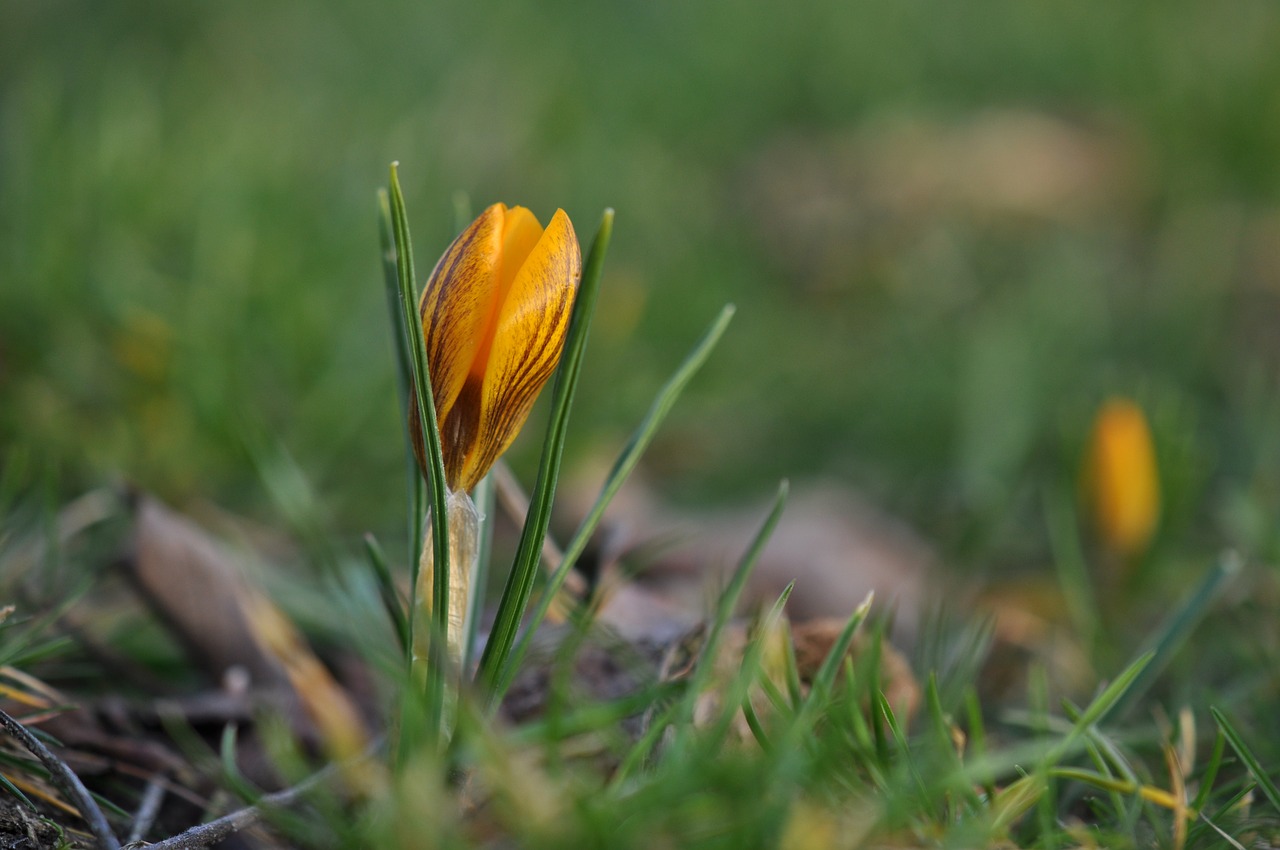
(216, 830)
(67, 781)
(145, 817)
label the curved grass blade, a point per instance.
(790, 749)
(918, 785)
(232, 777)
(941, 725)
(631, 453)
(16, 792)
(738, 694)
(594, 717)
(417, 486)
(1176, 629)
(1101, 707)
(411, 329)
(724, 611)
(978, 735)
(391, 597)
(1219, 830)
(1149, 793)
(1265, 783)
(825, 678)
(515, 595)
(1210, 774)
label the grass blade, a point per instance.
(392, 600)
(726, 606)
(411, 330)
(825, 678)
(1101, 707)
(622, 469)
(1265, 783)
(515, 596)
(790, 749)
(593, 717)
(941, 725)
(417, 486)
(16, 792)
(1125, 787)
(978, 735)
(738, 693)
(1175, 630)
(887, 714)
(1210, 774)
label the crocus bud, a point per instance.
(1122, 485)
(495, 313)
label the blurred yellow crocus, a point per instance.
(1122, 484)
(495, 313)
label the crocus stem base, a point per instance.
(464, 549)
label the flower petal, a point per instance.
(456, 304)
(520, 233)
(530, 335)
(455, 307)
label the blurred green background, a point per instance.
(951, 231)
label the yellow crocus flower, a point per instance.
(1121, 480)
(495, 313)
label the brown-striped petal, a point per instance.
(529, 336)
(520, 233)
(456, 305)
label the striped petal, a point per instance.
(520, 233)
(528, 337)
(457, 303)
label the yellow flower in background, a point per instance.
(495, 313)
(1122, 484)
